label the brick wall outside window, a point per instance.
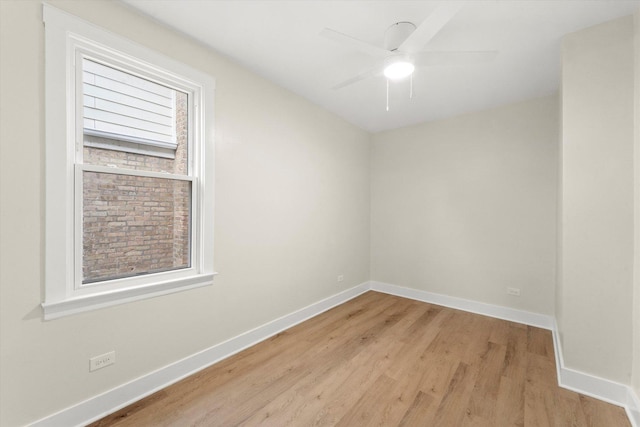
(134, 225)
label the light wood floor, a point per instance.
(381, 360)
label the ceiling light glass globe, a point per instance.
(398, 70)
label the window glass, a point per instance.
(133, 123)
(134, 225)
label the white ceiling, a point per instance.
(280, 41)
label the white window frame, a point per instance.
(66, 39)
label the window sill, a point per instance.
(67, 307)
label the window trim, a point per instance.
(66, 36)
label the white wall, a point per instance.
(467, 206)
(292, 209)
(597, 219)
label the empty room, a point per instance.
(332, 213)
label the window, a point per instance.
(129, 170)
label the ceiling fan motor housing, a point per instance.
(396, 34)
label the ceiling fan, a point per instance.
(403, 47)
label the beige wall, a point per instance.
(597, 200)
(635, 369)
(467, 206)
(292, 208)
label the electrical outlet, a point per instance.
(513, 291)
(341, 278)
(101, 361)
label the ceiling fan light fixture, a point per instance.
(398, 70)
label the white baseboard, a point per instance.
(593, 386)
(499, 312)
(106, 403)
(633, 408)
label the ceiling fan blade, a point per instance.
(364, 75)
(355, 43)
(454, 58)
(430, 27)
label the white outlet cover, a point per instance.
(99, 362)
(513, 291)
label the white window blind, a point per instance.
(121, 106)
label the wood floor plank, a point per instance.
(412, 361)
(597, 414)
(393, 350)
(294, 407)
(252, 396)
(451, 411)
(366, 411)
(484, 396)
(477, 334)
(539, 406)
(509, 410)
(419, 410)
(381, 360)
(515, 359)
(436, 380)
(568, 411)
(363, 374)
(538, 341)
(541, 371)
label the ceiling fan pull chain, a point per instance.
(387, 94)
